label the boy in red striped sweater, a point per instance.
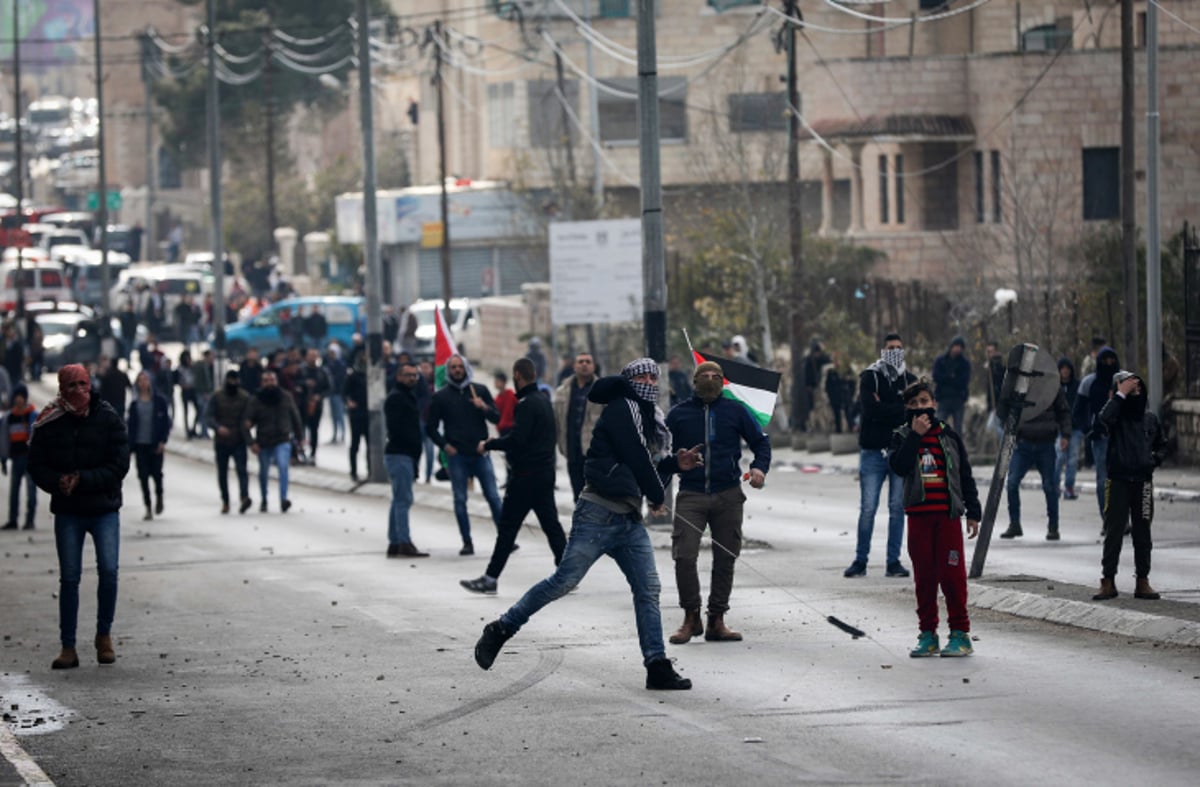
(938, 490)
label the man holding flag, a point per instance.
(714, 421)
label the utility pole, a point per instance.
(445, 199)
(214, 186)
(795, 219)
(269, 106)
(102, 213)
(19, 169)
(376, 386)
(1153, 219)
(148, 233)
(1128, 208)
(593, 118)
(564, 120)
(654, 305)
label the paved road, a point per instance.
(285, 649)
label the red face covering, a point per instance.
(76, 401)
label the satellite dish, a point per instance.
(1044, 383)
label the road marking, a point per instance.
(27, 769)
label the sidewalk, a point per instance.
(1170, 621)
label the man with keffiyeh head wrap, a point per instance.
(79, 454)
(629, 453)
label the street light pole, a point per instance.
(214, 181)
(19, 169)
(102, 213)
(1153, 219)
(654, 305)
(376, 386)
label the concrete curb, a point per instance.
(1085, 615)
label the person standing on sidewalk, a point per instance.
(529, 448)
(629, 444)
(149, 424)
(15, 429)
(1035, 447)
(575, 415)
(223, 415)
(938, 489)
(458, 419)
(400, 456)
(952, 376)
(355, 395)
(1094, 391)
(269, 425)
(711, 495)
(1069, 459)
(881, 391)
(79, 455)
(1135, 448)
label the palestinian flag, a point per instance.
(443, 347)
(753, 386)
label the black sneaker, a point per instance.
(481, 585)
(661, 676)
(896, 569)
(1052, 535)
(393, 550)
(9, 526)
(467, 549)
(263, 507)
(284, 505)
(857, 569)
(1014, 531)
(245, 505)
(488, 647)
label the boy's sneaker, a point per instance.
(857, 569)
(480, 585)
(927, 645)
(959, 645)
(488, 647)
(896, 569)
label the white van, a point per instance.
(463, 324)
(42, 281)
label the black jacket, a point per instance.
(463, 424)
(403, 419)
(1136, 443)
(719, 429)
(618, 465)
(355, 391)
(529, 445)
(96, 447)
(161, 431)
(880, 418)
(1046, 426)
(225, 410)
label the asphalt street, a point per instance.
(286, 649)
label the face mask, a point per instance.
(647, 392)
(918, 412)
(78, 400)
(709, 390)
(894, 358)
(231, 388)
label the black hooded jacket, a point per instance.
(529, 445)
(1136, 442)
(1094, 391)
(618, 465)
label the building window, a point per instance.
(618, 115)
(614, 9)
(1048, 38)
(980, 211)
(758, 112)
(997, 212)
(899, 188)
(932, 5)
(724, 5)
(546, 129)
(883, 190)
(1101, 183)
(168, 170)
(939, 189)
(502, 111)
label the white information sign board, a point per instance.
(596, 271)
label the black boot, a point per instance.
(1014, 531)
(488, 647)
(661, 676)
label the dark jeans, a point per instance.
(722, 513)
(1124, 500)
(358, 434)
(530, 492)
(575, 470)
(188, 397)
(69, 534)
(951, 411)
(18, 473)
(238, 454)
(149, 466)
(1042, 456)
(313, 424)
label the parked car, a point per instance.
(59, 329)
(63, 237)
(463, 325)
(270, 329)
(85, 272)
(40, 281)
(172, 282)
(74, 328)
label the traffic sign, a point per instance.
(114, 200)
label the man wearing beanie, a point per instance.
(630, 448)
(711, 495)
(952, 381)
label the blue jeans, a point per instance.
(19, 469)
(69, 533)
(400, 470)
(1027, 455)
(1100, 458)
(431, 451)
(462, 468)
(1068, 459)
(873, 470)
(337, 413)
(281, 456)
(596, 531)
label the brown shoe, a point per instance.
(719, 632)
(408, 549)
(68, 659)
(1108, 589)
(104, 649)
(692, 627)
(1144, 591)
